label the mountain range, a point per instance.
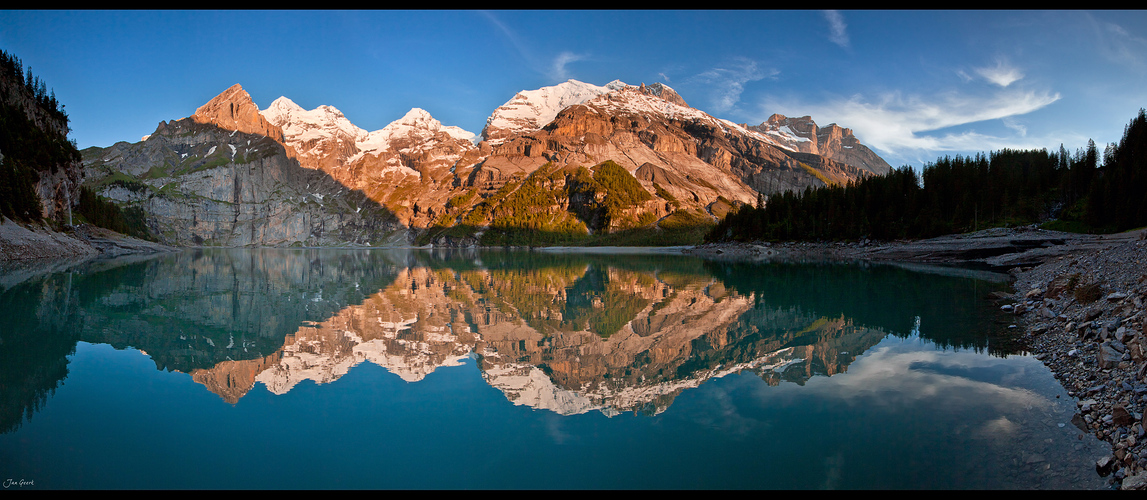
(569, 163)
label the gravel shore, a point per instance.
(1084, 317)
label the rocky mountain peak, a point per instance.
(802, 126)
(417, 115)
(416, 120)
(282, 107)
(663, 91)
(615, 85)
(801, 134)
(234, 110)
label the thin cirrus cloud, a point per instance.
(1010, 122)
(558, 70)
(1116, 44)
(727, 83)
(838, 30)
(899, 125)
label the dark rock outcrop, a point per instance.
(58, 171)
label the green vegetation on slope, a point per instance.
(573, 205)
(100, 212)
(532, 213)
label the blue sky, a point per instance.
(912, 85)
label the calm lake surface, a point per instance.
(382, 369)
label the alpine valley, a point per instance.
(573, 164)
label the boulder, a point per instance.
(1121, 417)
(1108, 356)
(1105, 465)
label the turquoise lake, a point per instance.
(417, 369)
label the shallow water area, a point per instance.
(414, 369)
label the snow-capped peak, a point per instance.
(308, 130)
(616, 85)
(300, 125)
(531, 110)
(415, 124)
(534, 109)
(418, 116)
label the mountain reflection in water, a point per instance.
(566, 333)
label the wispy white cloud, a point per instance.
(899, 125)
(726, 83)
(558, 68)
(1002, 74)
(1012, 123)
(509, 34)
(838, 30)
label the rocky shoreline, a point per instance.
(1084, 317)
(22, 245)
(1080, 300)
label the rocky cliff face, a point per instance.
(803, 135)
(221, 178)
(44, 130)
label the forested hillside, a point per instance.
(1066, 191)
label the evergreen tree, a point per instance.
(959, 194)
